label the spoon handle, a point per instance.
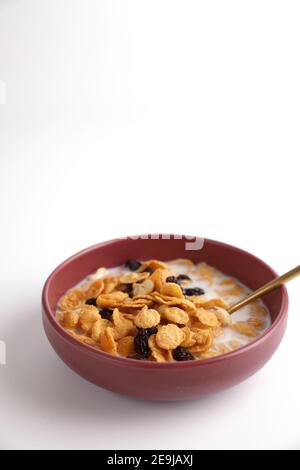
(278, 281)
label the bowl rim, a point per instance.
(118, 360)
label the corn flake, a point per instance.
(147, 318)
(107, 342)
(87, 317)
(72, 300)
(125, 346)
(70, 319)
(169, 337)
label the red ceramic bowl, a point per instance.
(174, 380)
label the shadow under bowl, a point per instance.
(171, 380)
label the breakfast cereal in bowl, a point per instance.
(161, 311)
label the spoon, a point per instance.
(277, 282)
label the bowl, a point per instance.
(172, 380)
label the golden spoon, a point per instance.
(278, 281)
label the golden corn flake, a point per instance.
(87, 317)
(245, 328)
(222, 315)
(176, 315)
(186, 265)
(153, 264)
(189, 337)
(172, 290)
(257, 323)
(258, 310)
(99, 274)
(107, 342)
(207, 318)
(223, 349)
(133, 277)
(208, 355)
(201, 336)
(143, 288)
(72, 300)
(94, 289)
(217, 331)
(185, 304)
(129, 303)
(99, 326)
(125, 346)
(158, 353)
(214, 303)
(234, 344)
(169, 337)
(159, 276)
(110, 284)
(70, 319)
(147, 318)
(123, 326)
(112, 299)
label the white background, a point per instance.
(138, 116)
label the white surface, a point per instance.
(125, 117)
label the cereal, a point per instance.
(99, 326)
(153, 264)
(133, 277)
(171, 289)
(72, 300)
(110, 284)
(113, 299)
(147, 318)
(70, 319)
(125, 346)
(245, 328)
(94, 289)
(161, 311)
(87, 317)
(223, 316)
(176, 315)
(258, 324)
(158, 354)
(207, 318)
(107, 342)
(208, 355)
(159, 277)
(217, 331)
(189, 337)
(144, 288)
(234, 344)
(204, 342)
(169, 337)
(99, 274)
(123, 326)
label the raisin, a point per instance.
(148, 270)
(181, 354)
(141, 346)
(183, 277)
(151, 331)
(172, 279)
(132, 264)
(128, 289)
(91, 302)
(194, 291)
(106, 313)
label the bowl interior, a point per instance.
(247, 268)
